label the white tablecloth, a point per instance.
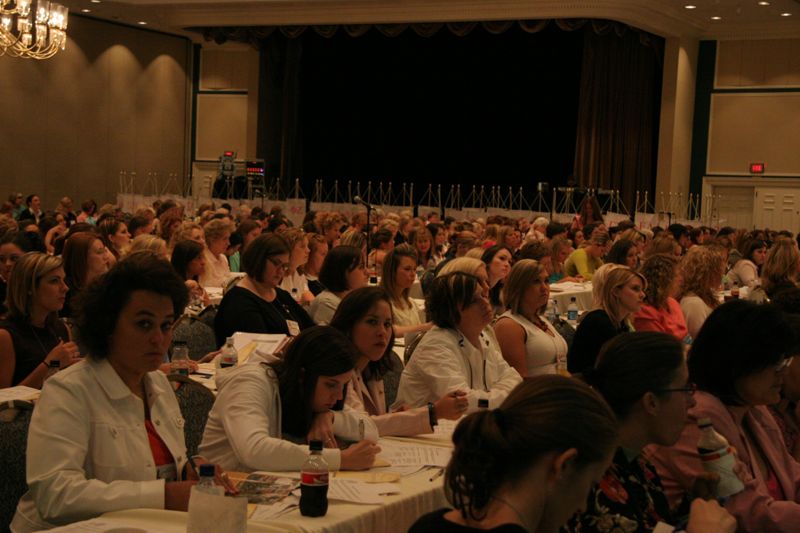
(563, 292)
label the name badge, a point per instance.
(294, 328)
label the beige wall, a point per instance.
(116, 99)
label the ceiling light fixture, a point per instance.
(690, 6)
(29, 31)
(142, 23)
(84, 10)
(716, 17)
(763, 3)
(95, 1)
(786, 14)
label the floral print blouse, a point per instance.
(628, 499)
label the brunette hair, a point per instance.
(255, 256)
(184, 253)
(449, 293)
(24, 281)
(390, 265)
(76, 258)
(524, 273)
(337, 264)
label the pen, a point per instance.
(203, 375)
(438, 474)
(361, 430)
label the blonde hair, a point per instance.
(147, 243)
(615, 279)
(598, 281)
(781, 264)
(702, 270)
(475, 253)
(184, 232)
(524, 273)
(467, 265)
(24, 280)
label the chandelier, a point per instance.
(32, 28)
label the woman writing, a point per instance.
(399, 275)
(107, 433)
(32, 335)
(342, 271)
(365, 316)
(257, 304)
(527, 340)
(262, 407)
(585, 260)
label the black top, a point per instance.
(242, 310)
(315, 286)
(3, 290)
(593, 331)
(32, 344)
(435, 522)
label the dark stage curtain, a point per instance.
(617, 133)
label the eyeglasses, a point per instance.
(784, 364)
(689, 389)
(279, 264)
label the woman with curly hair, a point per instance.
(661, 311)
(701, 271)
(781, 266)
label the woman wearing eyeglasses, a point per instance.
(643, 377)
(257, 304)
(738, 361)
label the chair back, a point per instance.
(411, 346)
(198, 336)
(195, 402)
(15, 417)
(391, 380)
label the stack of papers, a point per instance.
(20, 392)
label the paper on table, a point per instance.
(20, 392)
(351, 490)
(410, 455)
(262, 344)
(265, 513)
(101, 525)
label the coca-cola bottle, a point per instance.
(314, 482)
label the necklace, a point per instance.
(516, 512)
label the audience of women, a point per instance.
(217, 271)
(85, 259)
(527, 340)
(660, 310)
(528, 464)
(746, 271)
(257, 304)
(781, 267)
(701, 274)
(459, 353)
(32, 335)
(365, 316)
(294, 281)
(106, 434)
(644, 379)
(620, 296)
(264, 408)
(586, 259)
(399, 275)
(738, 361)
(342, 271)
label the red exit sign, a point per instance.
(756, 168)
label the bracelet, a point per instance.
(432, 415)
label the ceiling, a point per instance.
(739, 19)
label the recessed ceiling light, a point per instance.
(95, 1)
(763, 3)
(690, 6)
(786, 14)
(142, 23)
(716, 17)
(86, 10)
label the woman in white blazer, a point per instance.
(107, 433)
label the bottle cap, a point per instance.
(206, 470)
(315, 445)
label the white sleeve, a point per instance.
(244, 412)
(58, 445)
(441, 372)
(347, 424)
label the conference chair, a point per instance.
(195, 401)
(15, 417)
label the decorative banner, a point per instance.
(424, 210)
(612, 219)
(564, 218)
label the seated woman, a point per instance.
(189, 262)
(13, 245)
(498, 260)
(32, 336)
(342, 271)
(560, 250)
(399, 275)
(701, 273)
(85, 259)
(625, 253)
(248, 230)
(787, 412)
(459, 353)
(620, 297)
(738, 361)
(365, 316)
(527, 340)
(747, 270)
(586, 259)
(317, 250)
(257, 304)
(781, 267)
(528, 464)
(107, 433)
(661, 311)
(382, 242)
(261, 407)
(217, 233)
(643, 377)
(294, 282)
(115, 236)
(149, 243)
(422, 241)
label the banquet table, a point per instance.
(563, 292)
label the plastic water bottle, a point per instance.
(572, 310)
(314, 482)
(229, 356)
(52, 369)
(206, 483)
(180, 359)
(552, 311)
(717, 456)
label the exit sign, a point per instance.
(756, 168)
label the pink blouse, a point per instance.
(669, 320)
